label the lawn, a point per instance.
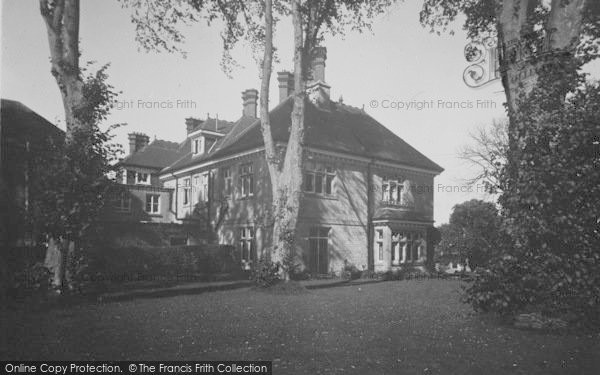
(397, 327)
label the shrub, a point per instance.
(549, 283)
(133, 263)
(298, 275)
(35, 278)
(550, 199)
(266, 273)
(351, 272)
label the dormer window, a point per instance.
(142, 178)
(198, 146)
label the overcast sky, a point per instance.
(399, 61)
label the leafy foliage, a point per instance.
(473, 233)
(34, 278)
(70, 183)
(351, 272)
(266, 273)
(550, 205)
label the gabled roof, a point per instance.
(336, 127)
(211, 124)
(186, 158)
(21, 123)
(157, 155)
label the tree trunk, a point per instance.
(519, 72)
(290, 182)
(62, 25)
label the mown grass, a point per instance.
(397, 327)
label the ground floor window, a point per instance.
(152, 203)
(318, 251)
(379, 244)
(122, 202)
(410, 244)
(247, 246)
(398, 246)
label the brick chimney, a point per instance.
(317, 64)
(137, 141)
(318, 91)
(249, 98)
(286, 85)
(191, 124)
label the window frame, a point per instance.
(393, 191)
(227, 182)
(319, 180)
(318, 237)
(151, 203)
(146, 181)
(187, 191)
(205, 186)
(198, 145)
(379, 236)
(246, 180)
(247, 246)
(121, 198)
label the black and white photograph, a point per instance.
(300, 187)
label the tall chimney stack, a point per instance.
(318, 91)
(249, 98)
(317, 64)
(137, 141)
(286, 85)
(192, 123)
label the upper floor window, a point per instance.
(198, 146)
(153, 203)
(187, 191)
(394, 191)
(227, 182)
(319, 179)
(142, 178)
(247, 180)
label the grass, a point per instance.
(398, 327)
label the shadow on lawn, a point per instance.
(172, 292)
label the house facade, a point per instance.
(24, 134)
(367, 196)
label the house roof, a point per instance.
(20, 124)
(234, 131)
(336, 127)
(211, 124)
(157, 154)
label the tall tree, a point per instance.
(532, 36)
(75, 189)
(62, 25)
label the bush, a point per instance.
(551, 284)
(550, 199)
(134, 263)
(266, 273)
(299, 275)
(351, 272)
(33, 279)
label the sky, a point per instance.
(385, 70)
